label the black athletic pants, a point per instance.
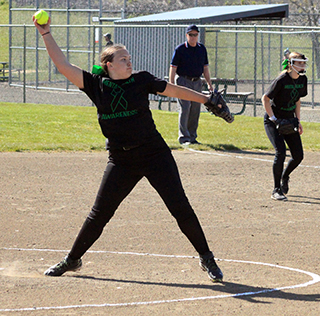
(124, 170)
(278, 142)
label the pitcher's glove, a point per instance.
(218, 106)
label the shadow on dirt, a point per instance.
(230, 289)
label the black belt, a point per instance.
(123, 148)
(191, 78)
(129, 147)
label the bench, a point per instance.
(230, 97)
(16, 74)
(4, 78)
(4, 72)
(4, 67)
(163, 98)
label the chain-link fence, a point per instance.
(250, 54)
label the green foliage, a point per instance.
(39, 127)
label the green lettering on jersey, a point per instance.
(291, 86)
(118, 114)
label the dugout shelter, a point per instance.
(162, 32)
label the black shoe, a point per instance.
(208, 264)
(278, 195)
(65, 265)
(195, 142)
(285, 185)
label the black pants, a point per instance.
(278, 142)
(124, 170)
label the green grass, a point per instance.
(40, 127)
(37, 127)
(245, 133)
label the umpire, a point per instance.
(189, 62)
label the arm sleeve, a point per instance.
(152, 84)
(92, 84)
(273, 89)
(175, 58)
(305, 88)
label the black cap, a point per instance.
(192, 27)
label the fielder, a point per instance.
(136, 148)
(282, 119)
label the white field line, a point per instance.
(315, 279)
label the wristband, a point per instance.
(45, 34)
(272, 118)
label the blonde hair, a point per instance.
(107, 55)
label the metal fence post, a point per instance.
(281, 45)
(236, 58)
(255, 73)
(216, 57)
(262, 64)
(10, 41)
(169, 60)
(93, 49)
(68, 37)
(313, 66)
(269, 56)
(37, 50)
(94, 46)
(24, 61)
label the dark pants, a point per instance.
(124, 170)
(278, 142)
(189, 112)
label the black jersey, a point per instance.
(123, 107)
(285, 92)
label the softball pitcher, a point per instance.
(136, 148)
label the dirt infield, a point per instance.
(142, 264)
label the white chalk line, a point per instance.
(243, 157)
(315, 279)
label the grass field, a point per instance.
(39, 127)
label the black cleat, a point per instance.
(207, 263)
(65, 265)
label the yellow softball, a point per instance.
(42, 17)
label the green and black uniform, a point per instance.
(136, 150)
(284, 92)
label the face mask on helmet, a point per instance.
(302, 68)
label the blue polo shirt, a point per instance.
(189, 60)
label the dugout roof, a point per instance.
(211, 15)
